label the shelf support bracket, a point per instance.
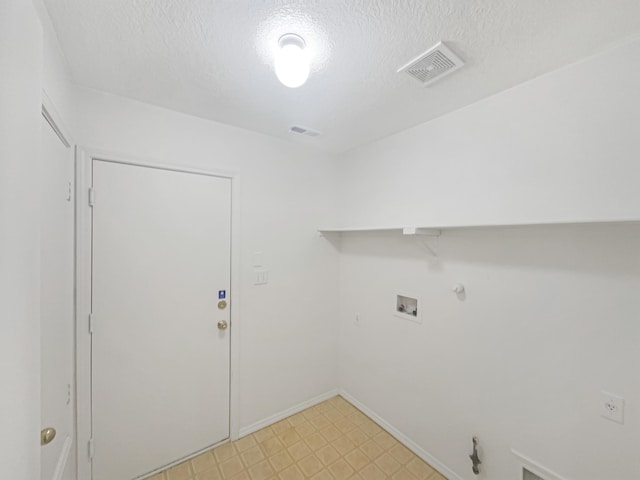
(424, 235)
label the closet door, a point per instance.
(56, 306)
(160, 348)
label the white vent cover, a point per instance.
(433, 64)
(304, 131)
(531, 470)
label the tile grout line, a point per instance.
(339, 409)
(402, 438)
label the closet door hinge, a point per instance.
(91, 323)
(90, 448)
(92, 197)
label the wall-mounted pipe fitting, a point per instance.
(475, 459)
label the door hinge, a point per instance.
(91, 323)
(92, 197)
(90, 448)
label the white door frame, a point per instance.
(52, 116)
(84, 160)
(54, 119)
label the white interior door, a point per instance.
(56, 307)
(160, 363)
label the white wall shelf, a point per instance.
(426, 231)
(422, 234)
(436, 230)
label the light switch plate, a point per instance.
(261, 277)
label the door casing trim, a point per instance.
(52, 116)
(83, 173)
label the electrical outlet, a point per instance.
(612, 407)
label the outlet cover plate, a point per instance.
(612, 407)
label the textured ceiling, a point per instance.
(213, 58)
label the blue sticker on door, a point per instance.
(222, 294)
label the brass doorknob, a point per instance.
(47, 435)
(222, 325)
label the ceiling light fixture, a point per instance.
(291, 64)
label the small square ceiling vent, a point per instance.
(304, 131)
(432, 65)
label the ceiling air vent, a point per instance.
(304, 131)
(432, 65)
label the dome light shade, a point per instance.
(291, 63)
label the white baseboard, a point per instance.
(402, 438)
(181, 460)
(62, 459)
(406, 441)
(270, 420)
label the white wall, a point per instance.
(288, 327)
(57, 82)
(561, 147)
(20, 87)
(551, 314)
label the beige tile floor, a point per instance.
(329, 441)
